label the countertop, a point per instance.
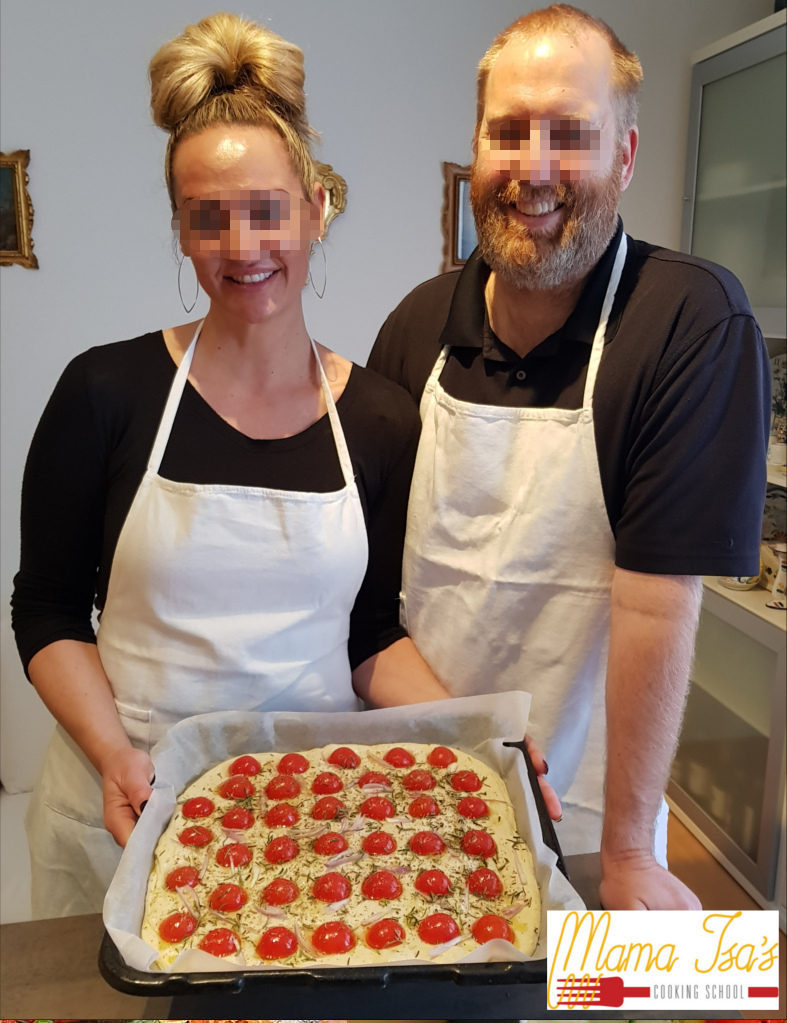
(49, 968)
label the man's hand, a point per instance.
(554, 809)
(127, 776)
(640, 883)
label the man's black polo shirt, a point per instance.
(681, 404)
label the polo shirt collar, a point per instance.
(467, 325)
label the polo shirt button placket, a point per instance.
(520, 375)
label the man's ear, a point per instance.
(629, 150)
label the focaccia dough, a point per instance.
(519, 902)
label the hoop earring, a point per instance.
(196, 296)
(320, 294)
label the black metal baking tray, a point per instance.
(467, 990)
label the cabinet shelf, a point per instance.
(753, 601)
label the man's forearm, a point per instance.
(653, 624)
(397, 675)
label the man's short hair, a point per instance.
(626, 71)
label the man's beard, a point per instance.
(539, 261)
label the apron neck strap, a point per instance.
(338, 434)
(601, 331)
(171, 408)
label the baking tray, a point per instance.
(513, 989)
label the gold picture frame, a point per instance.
(459, 237)
(16, 211)
(335, 191)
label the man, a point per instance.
(595, 420)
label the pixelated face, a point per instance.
(544, 150)
(548, 114)
(243, 219)
(548, 171)
(241, 224)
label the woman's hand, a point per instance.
(127, 774)
(554, 809)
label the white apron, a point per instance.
(220, 598)
(508, 566)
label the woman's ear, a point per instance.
(318, 215)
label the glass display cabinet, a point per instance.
(736, 183)
(728, 775)
(728, 780)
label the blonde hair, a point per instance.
(227, 70)
(626, 72)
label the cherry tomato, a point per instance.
(234, 855)
(330, 845)
(228, 898)
(280, 892)
(220, 942)
(245, 765)
(199, 806)
(236, 787)
(441, 756)
(433, 882)
(491, 926)
(282, 815)
(182, 877)
(292, 763)
(176, 927)
(327, 808)
(343, 756)
(479, 843)
(277, 943)
(465, 781)
(377, 807)
(423, 806)
(419, 781)
(438, 928)
(281, 850)
(331, 887)
(382, 885)
(398, 757)
(196, 835)
(326, 783)
(238, 819)
(485, 883)
(282, 787)
(373, 778)
(333, 938)
(472, 806)
(426, 843)
(379, 843)
(385, 934)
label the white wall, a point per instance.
(391, 88)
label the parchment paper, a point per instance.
(197, 744)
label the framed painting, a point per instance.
(335, 191)
(459, 237)
(16, 211)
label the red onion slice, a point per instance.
(348, 856)
(439, 949)
(302, 942)
(336, 905)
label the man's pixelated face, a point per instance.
(546, 178)
(244, 223)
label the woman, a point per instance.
(231, 493)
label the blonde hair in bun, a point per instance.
(227, 70)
